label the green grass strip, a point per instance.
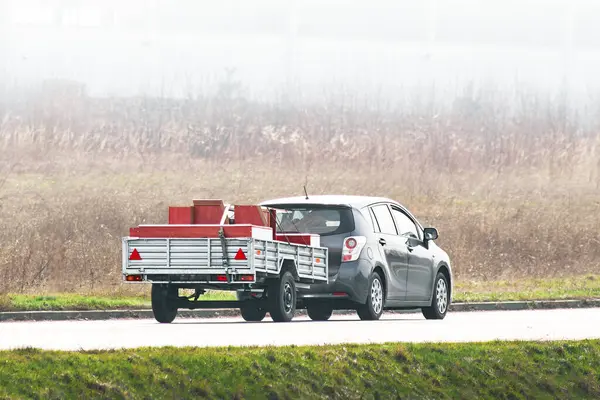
(578, 287)
(574, 287)
(496, 370)
(80, 302)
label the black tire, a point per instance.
(373, 308)
(252, 314)
(319, 312)
(162, 308)
(440, 299)
(282, 298)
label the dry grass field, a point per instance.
(513, 195)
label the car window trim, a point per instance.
(374, 222)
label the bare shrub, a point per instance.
(513, 194)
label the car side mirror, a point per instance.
(430, 233)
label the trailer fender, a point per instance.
(288, 264)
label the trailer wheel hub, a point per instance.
(288, 297)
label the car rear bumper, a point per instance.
(350, 282)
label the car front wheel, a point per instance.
(441, 296)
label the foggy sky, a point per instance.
(304, 47)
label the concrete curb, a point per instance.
(525, 305)
(98, 315)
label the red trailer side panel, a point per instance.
(201, 231)
(300, 238)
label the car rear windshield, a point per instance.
(320, 220)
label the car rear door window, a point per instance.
(384, 219)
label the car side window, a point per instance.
(384, 219)
(406, 226)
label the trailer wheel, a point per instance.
(162, 308)
(252, 314)
(319, 311)
(282, 298)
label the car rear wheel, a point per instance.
(319, 312)
(373, 308)
(162, 306)
(439, 303)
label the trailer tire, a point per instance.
(319, 312)
(252, 314)
(162, 308)
(282, 298)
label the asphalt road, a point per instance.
(457, 327)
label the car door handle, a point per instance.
(382, 242)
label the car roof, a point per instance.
(342, 200)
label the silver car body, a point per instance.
(395, 247)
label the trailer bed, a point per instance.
(214, 246)
(201, 260)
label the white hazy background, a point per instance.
(306, 50)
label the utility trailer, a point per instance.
(215, 246)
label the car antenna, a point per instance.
(305, 192)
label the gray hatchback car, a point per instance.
(380, 257)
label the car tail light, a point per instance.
(353, 245)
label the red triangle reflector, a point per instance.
(240, 255)
(135, 256)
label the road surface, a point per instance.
(457, 327)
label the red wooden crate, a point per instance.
(249, 214)
(181, 215)
(208, 211)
